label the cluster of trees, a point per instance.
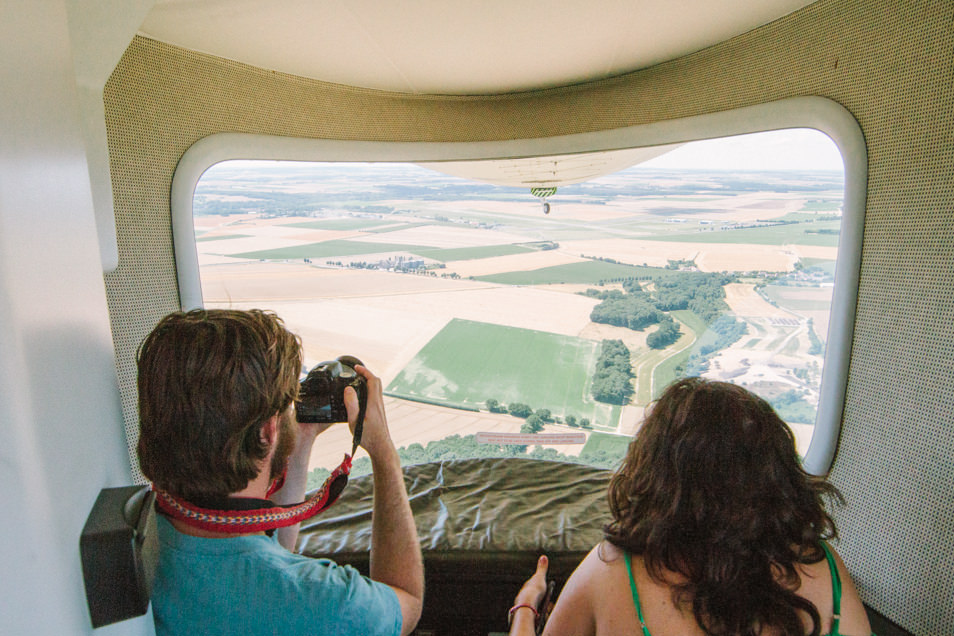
(667, 334)
(634, 311)
(680, 263)
(535, 419)
(583, 422)
(630, 285)
(702, 293)
(495, 407)
(603, 259)
(612, 382)
(467, 447)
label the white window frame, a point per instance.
(817, 113)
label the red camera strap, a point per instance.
(239, 521)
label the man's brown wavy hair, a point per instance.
(208, 381)
(713, 490)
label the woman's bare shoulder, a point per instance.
(596, 599)
(603, 558)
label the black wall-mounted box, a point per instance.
(119, 549)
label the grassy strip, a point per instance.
(614, 416)
(666, 371)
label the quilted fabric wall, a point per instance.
(890, 63)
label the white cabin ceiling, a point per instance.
(464, 47)
(456, 47)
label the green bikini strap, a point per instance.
(835, 589)
(632, 587)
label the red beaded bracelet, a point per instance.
(536, 614)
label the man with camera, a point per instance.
(228, 461)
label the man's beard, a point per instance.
(287, 437)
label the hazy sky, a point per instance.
(797, 149)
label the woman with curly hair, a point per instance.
(716, 529)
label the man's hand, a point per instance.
(375, 436)
(395, 549)
(305, 439)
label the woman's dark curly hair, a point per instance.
(712, 489)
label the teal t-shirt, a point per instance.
(253, 586)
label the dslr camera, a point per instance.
(321, 397)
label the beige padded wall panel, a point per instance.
(888, 61)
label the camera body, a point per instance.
(321, 397)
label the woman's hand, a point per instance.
(524, 620)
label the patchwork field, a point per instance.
(468, 363)
(502, 318)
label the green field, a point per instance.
(328, 249)
(587, 273)
(472, 253)
(608, 443)
(791, 234)
(469, 362)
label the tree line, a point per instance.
(467, 447)
(612, 381)
(535, 419)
